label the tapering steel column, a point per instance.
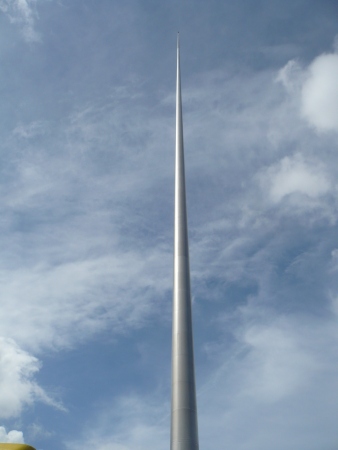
(184, 431)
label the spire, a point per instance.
(184, 431)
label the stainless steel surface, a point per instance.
(184, 431)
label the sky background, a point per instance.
(86, 220)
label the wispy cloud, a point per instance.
(88, 259)
(18, 387)
(22, 13)
(137, 422)
(86, 244)
(37, 431)
(88, 263)
(31, 130)
(269, 381)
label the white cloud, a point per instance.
(17, 385)
(294, 175)
(13, 436)
(320, 93)
(23, 13)
(314, 89)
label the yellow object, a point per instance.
(16, 447)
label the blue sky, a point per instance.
(86, 182)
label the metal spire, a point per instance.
(184, 431)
